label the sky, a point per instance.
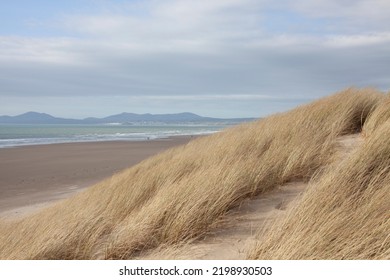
(217, 58)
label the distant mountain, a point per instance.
(35, 118)
(42, 118)
(181, 117)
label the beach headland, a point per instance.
(33, 176)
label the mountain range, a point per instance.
(42, 118)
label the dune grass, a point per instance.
(377, 117)
(346, 213)
(178, 194)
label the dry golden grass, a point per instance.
(177, 195)
(378, 117)
(345, 214)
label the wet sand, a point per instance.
(35, 175)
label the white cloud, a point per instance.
(337, 8)
(346, 41)
(47, 50)
(353, 16)
(176, 25)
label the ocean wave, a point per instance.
(98, 137)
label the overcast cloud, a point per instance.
(222, 58)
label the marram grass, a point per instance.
(179, 194)
(346, 213)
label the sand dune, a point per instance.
(194, 195)
(236, 233)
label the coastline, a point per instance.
(36, 175)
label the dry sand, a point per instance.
(33, 176)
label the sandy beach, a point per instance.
(33, 176)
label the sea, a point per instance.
(13, 135)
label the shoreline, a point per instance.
(34, 176)
(147, 139)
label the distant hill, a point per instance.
(42, 118)
(35, 118)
